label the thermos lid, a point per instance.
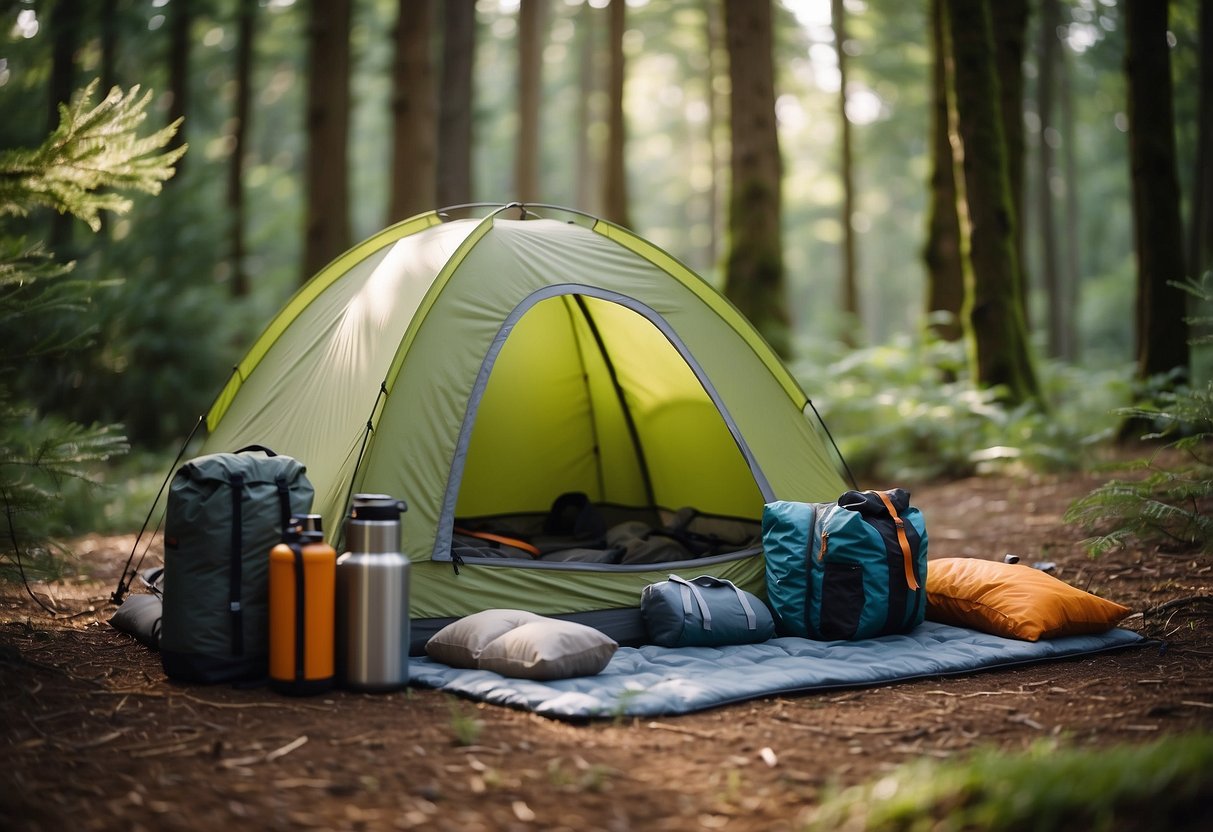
(303, 527)
(376, 507)
(308, 522)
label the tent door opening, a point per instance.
(592, 416)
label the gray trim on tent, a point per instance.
(585, 566)
(446, 520)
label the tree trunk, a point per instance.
(64, 30)
(1009, 19)
(1072, 282)
(754, 277)
(850, 283)
(530, 85)
(615, 178)
(1050, 271)
(413, 120)
(181, 18)
(328, 116)
(1000, 342)
(108, 23)
(456, 103)
(945, 269)
(1200, 247)
(1162, 331)
(245, 35)
(716, 109)
(586, 195)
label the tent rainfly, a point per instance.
(480, 368)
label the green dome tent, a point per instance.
(481, 368)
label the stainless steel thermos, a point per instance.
(373, 597)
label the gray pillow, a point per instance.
(548, 649)
(460, 643)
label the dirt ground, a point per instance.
(94, 737)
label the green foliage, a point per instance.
(94, 149)
(116, 496)
(22, 265)
(465, 727)
(1168, 503)
(92, 156)
(39, 457)
(909, 411)
(167, 334)
(1165, 785)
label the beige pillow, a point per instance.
(460, 643)
(1013, 600)
(548, 649)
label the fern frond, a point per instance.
(1171, 504)
(1103, 544)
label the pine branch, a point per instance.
(22, 264)
(91, 157)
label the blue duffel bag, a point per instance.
(703, 612)
(852, 569)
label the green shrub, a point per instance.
(1168, 504)
(1164, 785)
(85, 167)
(909, 411)
(117, 496)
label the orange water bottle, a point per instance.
(302, 603)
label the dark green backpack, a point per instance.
(225, 512)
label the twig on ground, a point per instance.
(1179, 602)
(102, 740)
(659, 726)
(160, 694)
(286, 749)
(162, 750)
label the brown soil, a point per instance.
(94, 737)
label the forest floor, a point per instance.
(94, 737)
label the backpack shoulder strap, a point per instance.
(284, 501)
(235, 576)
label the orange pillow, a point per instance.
(1013, 600)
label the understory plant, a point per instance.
(1164, 785)
(909, 411)
(83, 168)
(1168, 503)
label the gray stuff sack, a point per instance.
(225, 512)
(703, 612)
(139, 615)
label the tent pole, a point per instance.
(623, 404)
(830, 436)
(366, 437)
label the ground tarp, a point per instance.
(659, 681)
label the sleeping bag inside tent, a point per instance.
(569, 412)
